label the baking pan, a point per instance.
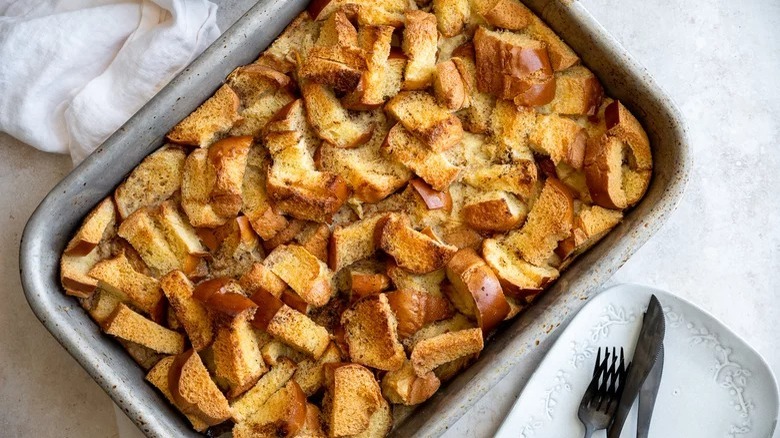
(519, 344)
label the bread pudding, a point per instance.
(341, 227)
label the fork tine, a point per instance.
(604, 374)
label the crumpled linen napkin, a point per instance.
(73, 71)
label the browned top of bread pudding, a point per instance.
(339, 228)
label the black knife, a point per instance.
(647, 396)
(648, 346)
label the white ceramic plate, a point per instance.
(714, 385)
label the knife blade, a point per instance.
(648, 345)
(647, 396)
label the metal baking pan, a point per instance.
(519, 344)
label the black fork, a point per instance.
(601, 399)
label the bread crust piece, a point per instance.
(371, 333)
(549, 222)
(192, 315)
(353, 242)
(158, 376)
(476, 290)
(251, 401)
(118, 276)
(499, 212)
(419, 113)
(506, 14)
(308, 276)
(449, 87)
(194, 391)
(237, 354)
(127, 324)
(513, 66)
(282, 415)
(229, 158)
(156, 179)
(414, 309)
(413, 250)
(438, 350)
(591, 223)
(405, 387)
(577, 92)
(519, 279)
(433, 167)
(618, 165)
(419, 44)
(452, 16)
(331, 121)
(353, 397)
(212, 119)
(561, 138)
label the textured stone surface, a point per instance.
(718, 59)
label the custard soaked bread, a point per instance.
(340, 228)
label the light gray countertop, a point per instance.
(718, 59)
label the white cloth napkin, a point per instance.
(73, 71)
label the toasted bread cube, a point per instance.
(257, 204)
(237, 355)
(229, 157)
(577, 92)
(261, 111)
(331, 121)
(518, 278)
(338, 67)
(353, 242)
(372, 333)
(314, 238)
(452, 16)
(518, 178)
(143, 356)
(454, 324)
(308, 276)
(125, 323)
(380, 423)
(299, 331)
(191, 385)
(438, 350)
(513, 66)
(371, 175)
(146, 237)
(420, 45)
(198, 180)
(310, 374)
(476, 117)
(252, 82)
(260, 277)
(506, 14)
(590, 224)
(403, 386)
(449, 87)
(282, 415)
(286, 235)
(312, 428)
(252, 401)
(511, 125)
(411, 249)
(549, 222)
(212, 119)
(74, 273)
(239, 248)
(419, 113)
(432, 167)
(273, 351)
(561, 55)
(158, 376)
(192, 315)
(425, 283)
(156, 179)
(92, 229)
(295, 41)
(497, 211)
(414, 309)
(181, 236)
(353, 397)
(561, 138)
(364, 283)
(101, 304)
(118, 276)
(371, 90)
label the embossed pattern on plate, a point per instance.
(714, 384)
